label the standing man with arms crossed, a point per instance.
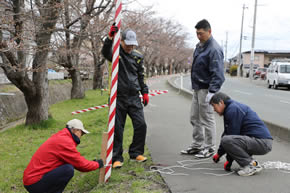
(130, 84)
(207, 77)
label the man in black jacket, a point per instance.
(130, 84)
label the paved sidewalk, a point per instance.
(169, 131)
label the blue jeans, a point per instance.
(54, 181)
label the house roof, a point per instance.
(270, 51)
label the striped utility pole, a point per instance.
(113, 95)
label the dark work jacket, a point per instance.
(131, 70)
(239, 119)
(207, 71)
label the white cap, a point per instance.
(76, 124)
(129, 37)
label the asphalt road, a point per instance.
(271, 105)
(169, 131)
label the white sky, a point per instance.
(272, 24)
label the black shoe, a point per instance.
(190, 151)
(206, 153)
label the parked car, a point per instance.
(260, 73)
(246, 69)
(278, 73)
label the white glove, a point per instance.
(208, 97)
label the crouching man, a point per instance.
(52, 166)
(245, 134)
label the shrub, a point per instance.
(234, 70)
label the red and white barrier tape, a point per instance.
(90, 109)
(106, 105)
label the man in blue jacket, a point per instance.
(245, 134)
(207, 77)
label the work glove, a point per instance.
(216, 158)
(209, 96)
(114, 29)
(227, 165)
(101, 163)
(145, 99)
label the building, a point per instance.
(262, 59)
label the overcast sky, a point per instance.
(272, 25)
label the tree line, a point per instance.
(68, 34)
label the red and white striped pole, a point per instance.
(113, 95)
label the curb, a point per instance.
(275, 130)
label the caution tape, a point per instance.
(154, 93)
(90, 109)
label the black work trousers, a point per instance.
(54, 181)
(132, 106)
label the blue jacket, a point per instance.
(207, 71)
(239, 119)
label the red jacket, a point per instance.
(58, 150)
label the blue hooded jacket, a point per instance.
(207, 71)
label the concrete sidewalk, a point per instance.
(169, 131)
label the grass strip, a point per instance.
(19, 144)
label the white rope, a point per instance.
(277, 165)
(187, 165)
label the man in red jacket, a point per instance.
(52, 166)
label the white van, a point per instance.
(278, 73)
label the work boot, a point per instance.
(117, 164)
(140, 158)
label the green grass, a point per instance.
(19, 144)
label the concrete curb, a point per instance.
(276, 130)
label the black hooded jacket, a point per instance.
(131, 70)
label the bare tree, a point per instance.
(14, 50)
(98, 29)
(162, 42)
(77, 16)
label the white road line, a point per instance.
(287, 102)
(274, 96)
(242, 92)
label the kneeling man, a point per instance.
(245, 134)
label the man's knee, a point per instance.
(68, 170)
(226, 141)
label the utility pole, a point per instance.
(253, 42)
(226, 47)
(241, 41)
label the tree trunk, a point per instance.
(98, 78)
(38, 103)
(36, 90)
(77, 90)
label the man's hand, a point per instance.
(227, 165)
(145, 99)
(100, 162)
(208, 97)
(114, 29)
(216, 158)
